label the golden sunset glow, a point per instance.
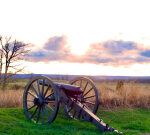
(85, 25)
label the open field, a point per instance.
(131, 122)
(134, 119)
(130, 95)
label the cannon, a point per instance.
(79, 99)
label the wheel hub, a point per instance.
(38, 101)
(82, 99)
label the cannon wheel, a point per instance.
(90, 96)
(41, 100)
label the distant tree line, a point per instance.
(139, 80)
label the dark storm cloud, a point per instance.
(110, 52)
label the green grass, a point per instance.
(130, 122)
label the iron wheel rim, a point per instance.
(87, 88)
(41, 103)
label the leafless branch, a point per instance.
(11, 52)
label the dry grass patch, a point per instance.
(130, 95)
(11, 98)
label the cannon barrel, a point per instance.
(69, 89)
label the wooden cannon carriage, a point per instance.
(80, 100)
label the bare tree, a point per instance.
(1, 64)
(11, 52)
(1, 60)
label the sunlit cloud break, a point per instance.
(111, 52)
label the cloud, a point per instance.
(146, 53)
(117, 53)
(110, 52)
(113, 52)
(55, 49)
(118, 47)
(55, 43)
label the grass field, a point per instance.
(129, 121)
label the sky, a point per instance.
(86, 37)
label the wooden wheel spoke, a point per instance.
(89, 97)
(46, 101)
(32, 94)
(46, 91)
(30, 108)
(43, 120)
(35, 90)
(49, 108)
(87, 92)
(46, 112)
(49, 95)
(43, 88)
(38, 115)
(89, 102)
(34, 112)
(85, 87)
(38, 84)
